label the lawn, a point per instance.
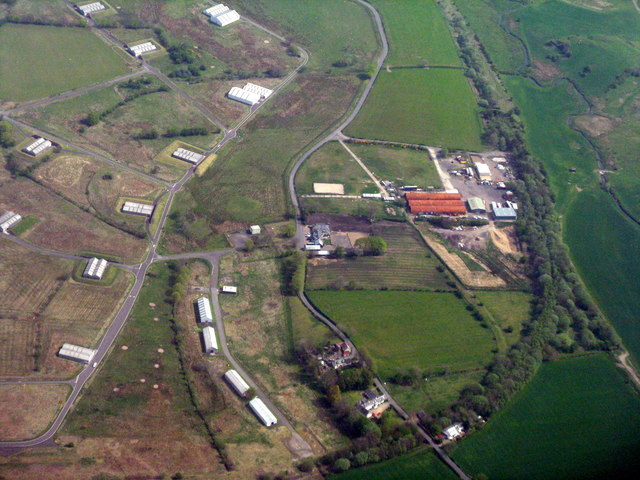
(426, 330)
(578, 418)
(407, 265)
(417, 465)
(432, 107)
(333, 164)
(26, 51)
(399, 165)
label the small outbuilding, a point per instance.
(237, 382)
(225, 18)
(262, 412)
(76, 353)
(142, 48)
(8, 220)
(91, 8)
(501, 212)
(95, 268)
(484, 173)
(229, 289)
(216, 10)
(210, 340)
(255, 229)
(204, 310)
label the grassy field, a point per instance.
(432, 107)
(40, 10)
(417, 33)
(360, 207)
(408, 264)
(399, 165)
(305, 326)
(28, 50)
(333, 164)
(427, 330)
(417, 465)
(510, 310)
(576, 419)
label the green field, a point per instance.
(511, 310)
(417, 33)
(399, 165)
(305, 326)
(333, 164)
(400, 330)
(417, 465)
(38, 61)
(407, 265)
(360, 207)
(433, 107)
(576, 419)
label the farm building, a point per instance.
(262, 412)
(255, 229)
(229, 289)
(483, 171)
(476, 205)
(8, 220)
(204, 310)
(95, 268)
(36, 147)
(138, 50)
(438, 209)
(243, 96)
(453, 431)
(377, 196)
(90, 8)
(237, 382)
(436, 203)
(503, 212)
(137, 208)
(187, 155)
(216, 10)
(225, 18)
(312, 247)
(262, 91)
(210, 340)
(432, 196)
(76, 353)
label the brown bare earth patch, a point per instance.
(27, 410)
(594, 125)
(505, 239)
(545, 72)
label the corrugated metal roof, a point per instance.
(237, 382)
(210, 340)
(226, 18)
(204, 310)
(263, 413)
(77, 353)
(95, 268)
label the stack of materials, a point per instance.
(435, 203)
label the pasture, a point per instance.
(359, 207)
(577, 418)
(333, 164)
(418, 465)
(305, 326)
(400, 165)
(400, 330)
(510, 310)
(40, 10)
(407, 265)
(426, 106)
(27, 51)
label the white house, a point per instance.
(95, 268)
(76, 353)
(262, 412)
(237, 382)
(243, 96)
(204, 310)
(453, 431)
(210, 340)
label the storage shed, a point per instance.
(216, 10)
(237, 382)
(76, 353)
(138, 50)
(243, 96)
(136, 208)
(476, 205)
(210, 340)
(226, 18)
(255, 229)
(8, 220)
(90, 8)
(503, 212)
(229, 289)
(484, 173)
(204, 310)
(38, 146)
(262, 91)
(95, 268)
(262, 412)
(187, 155)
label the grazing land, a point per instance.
(305, 326)
(400, 330)
(407, 265)
(425, 106)
(578, 418)
(511, 310)
(33, 66)
(27, 410)
(358, 207)
(45, 11)
(417, 465)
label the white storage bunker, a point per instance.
(204, 310)
(8, 220)
(221, 15)
(138, 50)
(187, 155)
(234, 379)
(38, 146)
(136, 208)
(210, 340)
(90, 8)
(76, 353)
(95, 268)
(262, 412)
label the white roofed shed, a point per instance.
(243, 96)
(225, 18)
(229, 289)
(210, 340)
(8, 220)
(262, 91)
(262, 412)
(95, 268)
(204, 310)
(76, 353)
(237, 382)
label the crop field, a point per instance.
(511, 310)
(26, 51)
(399, 165)
(577, 418)
(27, 410)
(400, 330)
(426, 106)
(407, 265)
(333, 164)
(418, 33)
(417, 465)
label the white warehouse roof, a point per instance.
(95, 268)
(244, 96)
(229, 289)
(8, 220)
(210, 341)
(91, 8)
(204, 310)
(137, 208)
(216, 10)
(237, 382)
(226, 18)
(187, 155)
(483, 169)
(37, 147)
(142, 48)
(262, 91)
(76, 353)
(263, 413)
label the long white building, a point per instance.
(216, 10)
(187, 155)
(263, 413)
(146, 47)
(8, 220)
(76, 353)
(237, 382)
(221, 15)
(95, 268)
(90, 8)
(210, 340)
(262, 91)
(244, 96)
(137, 208)
(204, 310)
(37, 147)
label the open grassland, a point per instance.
(417, 465)
(399, 165)
(333, 164)
(401, 330)
(71, 58)
(425, 106)
(27, 410)
(45, 11)
(305, 326)
(578, 418)
(407, 265)
(417, 33)
(359, 207)
(511, 310)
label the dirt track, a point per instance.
(624, 363)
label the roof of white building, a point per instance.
(91, 7)
(95, 268)
(263, 413)
(137, 208)
(262, 91)
(76, 352)
(204, 310)
(237, 382)
(216, 10)
(244, 96)
(210, 340)
(483, 169)
(187, 155)
(225, 18)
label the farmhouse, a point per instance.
(76, 353)
(187, 155)
(262, 412)
(237, 382)
(255, 229)
(339, 355)
(483, 171)
(453, 431)
(243, 96)
(210, 341)
(90, 8)
(319, 232)
(229, 289)
(36, 147)
(136, 208)
(204, 310)
(138, 50)
(95, 268)
(371, 400)
(8, 220)
(476, 205)
(262, 91)
(501, 212)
